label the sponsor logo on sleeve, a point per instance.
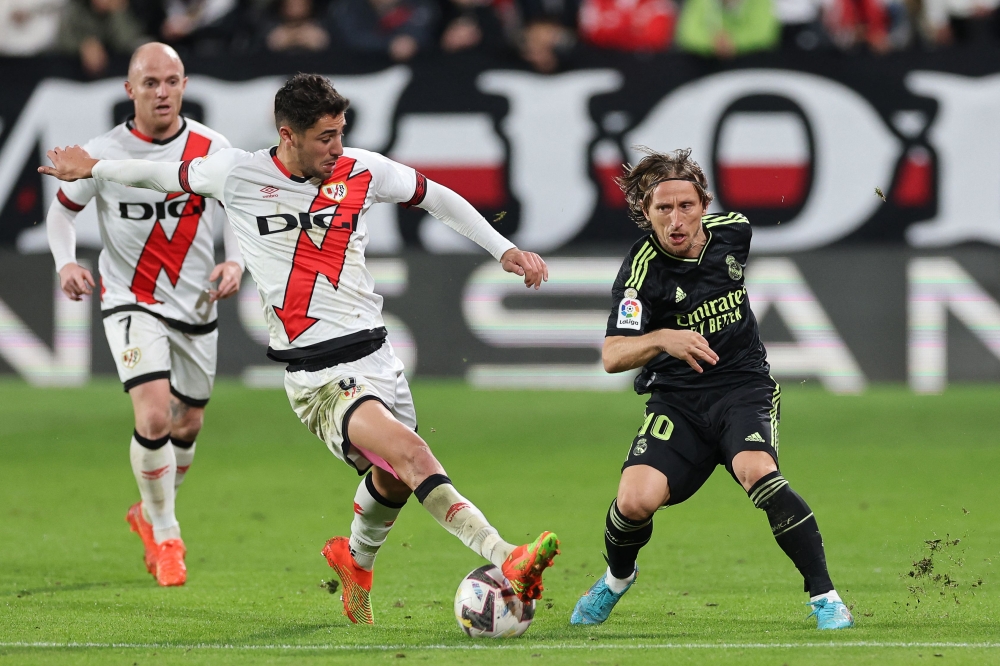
(630, 314)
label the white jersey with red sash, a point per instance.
(304, 241)
(158, 249)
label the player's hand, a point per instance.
(69, 164)
(527, 264)
(688, 346)
(76, 281)
(230, 272)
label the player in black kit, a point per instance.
(681, 314)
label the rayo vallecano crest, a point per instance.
(735, 270)
(335, 191)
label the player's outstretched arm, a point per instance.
(73, 163)
(452, 209)
(621, 352)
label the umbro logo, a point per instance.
(755, 438)
(680, 296)
(269, 191)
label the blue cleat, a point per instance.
(831, 614)
(596, 605)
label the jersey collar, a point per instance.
(130, 126)
(708, 240)
(281, 167)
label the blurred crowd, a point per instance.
(541, 32)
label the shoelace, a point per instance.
(823, 609)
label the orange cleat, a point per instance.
(357, 582)
(138, 524)
(524, 566)
(170, 569)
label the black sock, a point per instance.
(795, 530)
(623, 538)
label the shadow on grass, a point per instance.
(78, 587)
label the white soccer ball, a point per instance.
(485, 605)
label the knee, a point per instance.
(415, 459)
(187, 423)
(152, 422)
(637, 505)
(749, 469)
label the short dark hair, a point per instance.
(641, 180)
(304, 99)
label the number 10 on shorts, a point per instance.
(662, 426)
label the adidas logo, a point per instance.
(680, 295)
(755, 438)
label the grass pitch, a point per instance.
(885, 472)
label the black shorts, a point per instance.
(686, 434)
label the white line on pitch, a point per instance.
(504, 646)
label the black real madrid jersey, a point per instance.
(655, 289)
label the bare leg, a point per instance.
(373, 428)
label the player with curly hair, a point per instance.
(681, 314)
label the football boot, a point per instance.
(138, 524)
(524, 566)
(596, 605)
(831, 614)
(356, 583)
(170, 569)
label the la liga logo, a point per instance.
(630, 314)
(630, 309)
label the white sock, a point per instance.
(154, 470)
(461, 517)
(829, 596)
(184, 455)
(373, 518)
(617, 585)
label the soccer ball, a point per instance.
(485, 605)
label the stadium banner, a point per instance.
(817, 150)
(839, 317)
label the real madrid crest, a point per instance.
(640, 447)
(735, 270)
(335, 191)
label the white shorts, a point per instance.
(145, 349)
(326, 398)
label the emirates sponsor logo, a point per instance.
(454, 509)
(269, 191)
(153, 474)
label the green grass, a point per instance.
(884, 472)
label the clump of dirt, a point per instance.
(937, 572)
(330, 586)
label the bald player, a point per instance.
(159, 284)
